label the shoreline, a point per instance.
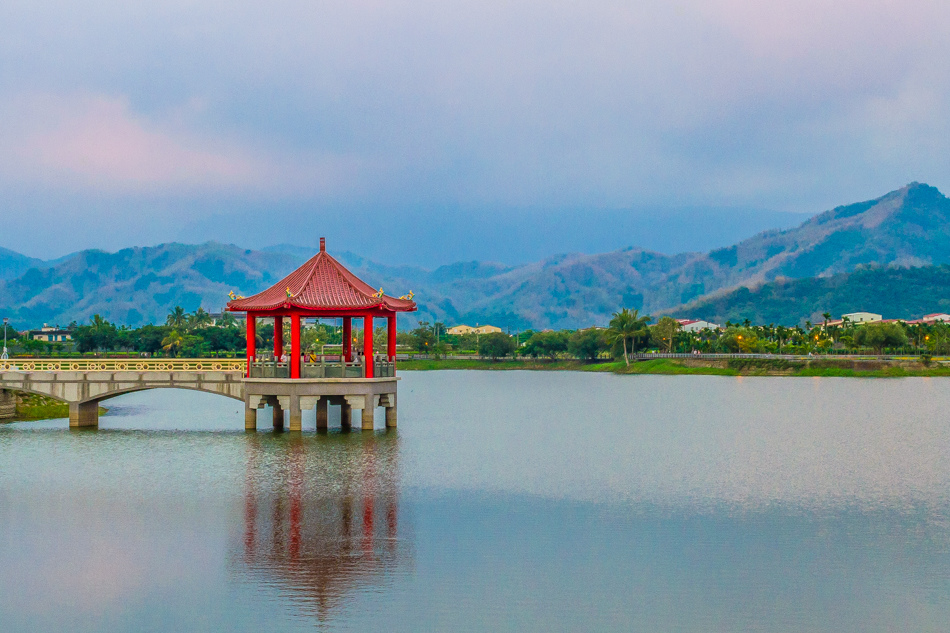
(689, 367)
(32, 407)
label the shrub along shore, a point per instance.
(701, 367)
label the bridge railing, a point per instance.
(124, 364)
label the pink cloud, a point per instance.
(99, 142)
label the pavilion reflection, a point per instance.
(321, 515)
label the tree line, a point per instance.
(196, 334)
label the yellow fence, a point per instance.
(124, 364)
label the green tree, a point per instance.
(199, 319)
(99, 335)
(548, 344)
(173, 343)
(423, 337)
(880, 335)
(587, 344)
(664, 333)
(177, 318)
(495, 345)
(627, 326)
(740, 340)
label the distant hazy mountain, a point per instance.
(12, 264)
(907, 293)
(908, 227)
(138, 285)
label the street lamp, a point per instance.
(4, 355)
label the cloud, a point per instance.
(96, 142)
(477, 104)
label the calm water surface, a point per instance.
(507, 501)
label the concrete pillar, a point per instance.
(83, 414)
(250, 418)
(296, 415)
(346, 415)
(7, 404)
(391, 417)
(278, 414)
(322, 414)
(369, 410)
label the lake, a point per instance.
(506, 501)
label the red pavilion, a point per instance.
(321, 288)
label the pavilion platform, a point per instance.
(297, 395)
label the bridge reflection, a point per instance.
(321, 516)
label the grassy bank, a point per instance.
(731, 367)
(35, 407)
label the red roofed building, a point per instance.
(321, 288)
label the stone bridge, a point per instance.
(83, 384)
(84, 390)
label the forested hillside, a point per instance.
(907, 227)
(894, 292)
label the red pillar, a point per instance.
(368, 346)
(251, 341)
(295, 346)
(348, 339)
(391, 339)
(278, 337)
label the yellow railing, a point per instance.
(124, 364)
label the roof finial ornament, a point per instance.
(323, 245)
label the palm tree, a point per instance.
(177, 318)
(626, 325)
(199, 319)
(173, 342)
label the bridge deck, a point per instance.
(84, 383)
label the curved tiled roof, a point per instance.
(322, 283)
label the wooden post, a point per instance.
(368, 346)
(348, 339)
(391, 339)
(251, 341)
(294, 347)
(278, 337)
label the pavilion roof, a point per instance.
(321, 284)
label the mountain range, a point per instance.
(909, 227)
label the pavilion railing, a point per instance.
(124, 364)
(325, 367)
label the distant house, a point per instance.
(930, 319)
(861, 317)
(51, 334)
(696, 325)
(216, 317)
(457, 330)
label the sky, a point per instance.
(423, 131)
